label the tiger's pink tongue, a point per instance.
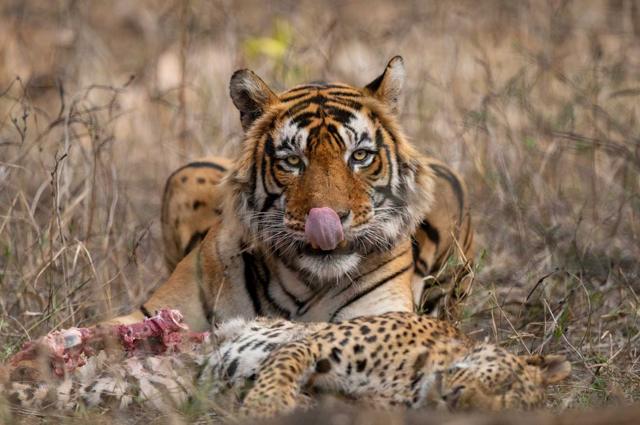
(323, 229)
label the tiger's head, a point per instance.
(326, 176)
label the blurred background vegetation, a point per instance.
(535, 102)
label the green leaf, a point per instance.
(275, 46)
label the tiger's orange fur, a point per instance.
(234, 229)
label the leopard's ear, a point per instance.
(387, 88)
(251, 95)
(554, 368)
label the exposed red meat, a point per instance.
(163, 332)
(67, 350)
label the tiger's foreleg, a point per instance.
(183, 291)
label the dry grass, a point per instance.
(536, 103)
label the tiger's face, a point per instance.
(327, 177)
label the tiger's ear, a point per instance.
(251, 96)
(388, 86)
(554, 368)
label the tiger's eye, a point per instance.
(360, 155)
(293, 160)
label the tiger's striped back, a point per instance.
(190, 201)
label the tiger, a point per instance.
(327, 213)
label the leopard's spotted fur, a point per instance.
(392, 359)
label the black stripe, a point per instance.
(194, 241)
(469, 236)
(313, 138)
(316, 99)
(379, 139)
(259, 276)
(292, 297)
(455, 185)
(370, 289)
(281, 311)
(201, 164)
(251, 281)
(204, 303)
(399, 165)
(336, 107)
(304, 118)
(269, 150)
(304, 87)
(340, 114)
(277, 165)
(387, 193)
(390, 164)
(251, 200)
(415, 248)
(335, 86)
(286, 143)
(353, 132)
(336, 134)
(313, 300)
(376, 173)
(268, 203)
(379, 266)
(316, 86)
(334, 103)
(341, 93)
(291, 97)
(421, 266)
(297, 108)
(334, 138)
(431, 232)
(144, 311)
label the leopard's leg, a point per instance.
(279, 384)
(443, 248)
